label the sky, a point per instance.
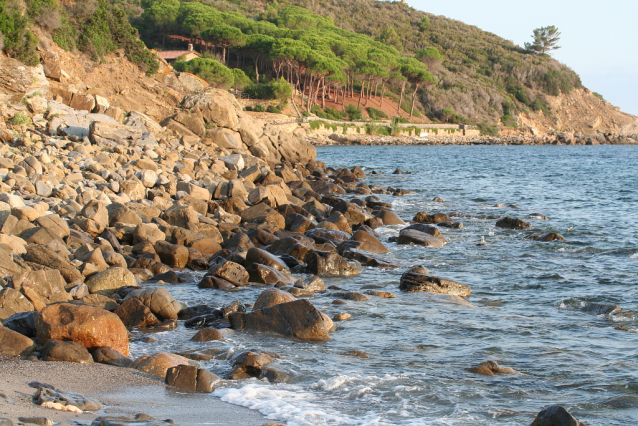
(599, 39)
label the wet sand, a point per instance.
(122, 391)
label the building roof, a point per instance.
(174, 54)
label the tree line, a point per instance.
(306, 50)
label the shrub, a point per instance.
(248, 108)
(215, 73)
(334, 114)
(19, 41)
(488, 129)
(259, 108)
(352, 112)
(378, 130)
(280, 90)
(509, 121)
(273, 109)
(598, 95)
(376, 114)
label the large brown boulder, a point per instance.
(214, 106)
(368, 242)
(157, 364)
(191, 378)
(173, 255)
(298, 319)
(106, 283)
(490, 368)
(416, 280)
(87, 325)
(158, 300)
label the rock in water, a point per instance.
(414, 280)
(490, 368)
(295, 319)
(87, 325)
(555, 415)
(512, 223)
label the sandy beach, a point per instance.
(122, 391)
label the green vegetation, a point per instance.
(279, 89)
(93, 26)
(545, 39)
(376, 114)
(488, 129)
(215, 73)
(352, 112)
(19, 119)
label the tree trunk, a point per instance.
(382, 93)
(360, 94)
(401, 98)
(416, 88)
(323, 95)
(224, 55)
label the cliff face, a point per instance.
(580, 111)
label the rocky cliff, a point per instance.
(184, 105)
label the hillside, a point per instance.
(334, 54)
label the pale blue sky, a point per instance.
(599, 38)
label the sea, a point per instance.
(528, 304)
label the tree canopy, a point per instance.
(545, 39)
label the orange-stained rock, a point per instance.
(87, 325)
(157, 364)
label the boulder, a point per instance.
(328, 263)
(368, 242)
(311, 283)
(271, 297)
(423, 217)
(231, 272)
(111, 357)
(12, 302)
(46, 257)
(207, 334)
(552, 236)
(215, 106)
(173, 255)
(512, 223)
(263, 213)
(158, 300)
(56, 350)
(490, 368)
(15, 344)
(412, 236)
(147, 232)
(257, 255)
(134, 313)
(416, 280)
(428, 229)
(190, 378)
(178, 215)
(158, 364)
(298, 319)
(85, 324)
(106, 283)
(43, 287)
(555, 415)
(267, 275)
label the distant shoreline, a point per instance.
(560, 139)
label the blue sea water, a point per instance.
(527, 296)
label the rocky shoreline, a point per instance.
(563, 138)
(100, 212)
